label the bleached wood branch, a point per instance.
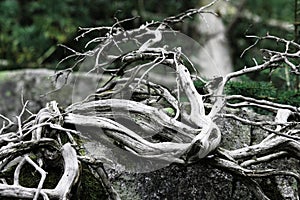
(191, 137)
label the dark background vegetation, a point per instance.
(31, 30)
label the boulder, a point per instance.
(197, 181)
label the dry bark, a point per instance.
(191, 136)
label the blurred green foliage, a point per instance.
(282, 11)
(266, 11)
(30, 30)
(273, 9)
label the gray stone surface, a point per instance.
(39, 87)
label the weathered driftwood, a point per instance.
(191, 135)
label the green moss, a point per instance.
(3, 76)
(53, 176)
(263, 90)
(29, 177)
(291, 97)
(8, 93)
(90, 188)
(254, 89)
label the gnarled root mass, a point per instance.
(182, 119)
